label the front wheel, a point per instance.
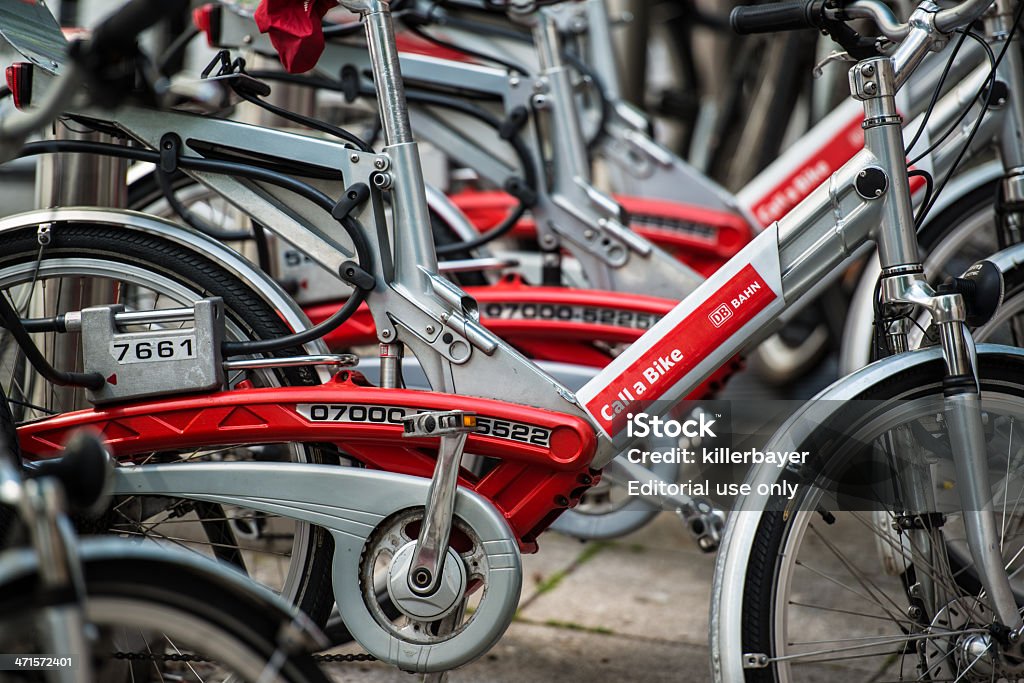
(825, 588)
(160, 620)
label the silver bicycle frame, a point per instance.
(570, 212)
(566, 204)
(736, 305)
(438, 322)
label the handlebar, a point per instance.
(791, 15)
(960, 15)
(881, 14)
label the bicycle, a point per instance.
(379, 520)
(510, 306)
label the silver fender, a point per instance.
(741, 526)
(21, 562)
(261, 283)
(856, 348)
(351, 503)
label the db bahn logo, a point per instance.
(720, 315)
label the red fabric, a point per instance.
(295, 30)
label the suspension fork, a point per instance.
(962, 412)
(874, 82)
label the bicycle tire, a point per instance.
(129, 599)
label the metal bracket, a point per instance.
(755, 660)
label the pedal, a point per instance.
(156, 362)
(439, 423)
(705, 523)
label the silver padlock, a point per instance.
(155, 362)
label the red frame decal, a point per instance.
(681, 349)
(540, 336)
(797, 185)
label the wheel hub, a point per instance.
(963, 649)
(439, 604)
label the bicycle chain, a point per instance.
(356, 657)
(150, 657)
(177, 657)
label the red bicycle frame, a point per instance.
(542, 459)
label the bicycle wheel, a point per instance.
(161, 620)
(816, 596)
(103, 264)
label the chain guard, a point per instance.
(352, 504)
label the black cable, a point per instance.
(163, 180)
(262, 246)
(228, 168)
(4, 91)
(11, 321)
(525, 158)
(928, 191)
(984, 108)
(963, 114)
(307, 121)
(416, 29)
(598, 86)
(484, 238)
(364, 256)
(479, 27)
(935, 94)
(322, 328)
(421, 97)
(524, 154)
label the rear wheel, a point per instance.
(88, 264)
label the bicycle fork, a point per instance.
(874, 82)
(962, 412)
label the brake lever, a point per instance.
(856, 46)
(835, 56)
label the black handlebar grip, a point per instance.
(83, 471)
(776, 16)
(122, 28)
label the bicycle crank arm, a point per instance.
(431, 548)
(354, 505)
